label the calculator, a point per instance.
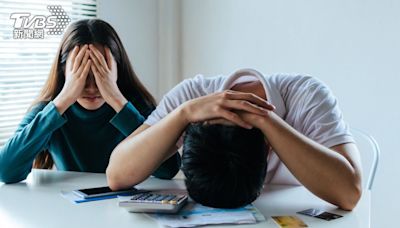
(154, 202)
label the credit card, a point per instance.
(289, 221)
(317, 213)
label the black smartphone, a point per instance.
(101, 191)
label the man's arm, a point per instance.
(139, 155)
(333, 174)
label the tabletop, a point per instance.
(37, 202)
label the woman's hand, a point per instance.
(225, 105)
(106, 75)
(76, 71)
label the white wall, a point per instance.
(150, 32)
(136, 22)
(353, 46)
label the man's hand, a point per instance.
(225, 105)
(254, 120)
(257, 121)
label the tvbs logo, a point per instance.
(27, 26)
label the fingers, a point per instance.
(245, 106)
(95, 54)
(234, 118)
(233, 95)
(83, 63)
(86, 69)
(71, 57)
(219, 121)
(109, 58)
(78, 58)
(99, 68)
(231, 102)
(95, 72)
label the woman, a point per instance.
(298, 115)
(90, 102)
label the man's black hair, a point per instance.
(225, 166)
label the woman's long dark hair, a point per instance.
(92, 31)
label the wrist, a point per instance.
(62, 103)
(255, 120)
(118, 103)
(183, 113)
(268, 123)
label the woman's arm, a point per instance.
(333, 174)
(135, 158)
(31, 137)
(35, 130)
(128, 114)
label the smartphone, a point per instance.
(88, 193)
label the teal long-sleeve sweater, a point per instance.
(79, 140)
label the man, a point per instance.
(298, 115)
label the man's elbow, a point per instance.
(113, 174)
(114, 180)
(350, 199)
(118, 180)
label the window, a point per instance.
(25, 62)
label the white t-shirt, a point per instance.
(303, 102)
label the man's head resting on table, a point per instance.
(225, 166)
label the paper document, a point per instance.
(197, 215)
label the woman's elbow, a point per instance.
(7, 180)
(7, 177)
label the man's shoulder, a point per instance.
(295, 86)
(207, 84)
(294, 81)
(200, 85)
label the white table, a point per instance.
(37, 202)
